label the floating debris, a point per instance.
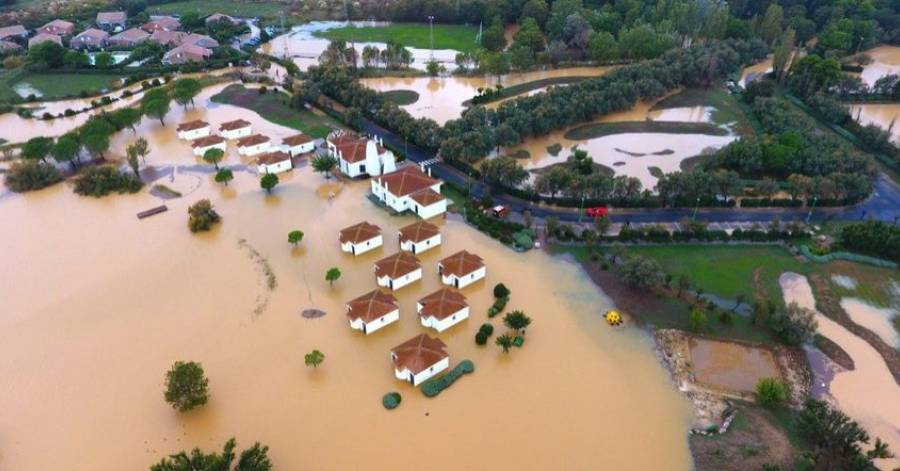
(312, 313)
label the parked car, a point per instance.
(499, 211)
(598, 211)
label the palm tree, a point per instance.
(505, 342)
(516, 320)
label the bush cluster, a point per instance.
(773, 202)
(436, 386)
(391, 400)
(498, 306)
(31, 175)
(105, 179)
(484, 333)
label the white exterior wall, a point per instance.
(364, 246)
(237, 133)
(421, 246)
(254, 150)
(376, 324)
(277, 167)
(413, 276)
(428, 212)
(465, 280)
(352, 170)
(405, 203)
(302, 148)
(199, 151)
(193, 133)
(446, 323)
(425, 374)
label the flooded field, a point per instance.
(885, 61)
(878, 320)
(731, 366)
(754, 71)
(869, 393)
(98, 305)
(883, 115)
(442, 98)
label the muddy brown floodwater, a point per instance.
(97, 305)
(730, 365)
(884, 115)
(885, 61)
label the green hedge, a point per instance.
(391, 400)
(498, 306)
(852, 257)
(436, 386)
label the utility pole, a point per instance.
(696, 207)
(431, 34)
(811, 208)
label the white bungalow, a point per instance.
(192, 130)
(253, 145)
(203, 144)
(419, 237)
(419, 358)
(398, 270)
(358, 156)
(274, 162)
(235, 129)
(410, 189)
(442, 309)
(360, 238)
(298, 144)
(372, 311)
(461, 269)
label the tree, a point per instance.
(214, 156)
(771, 392)
(504, 170)
(295, 236)
(314, 358)
(332, 275)
(125, 118)
(529, 36)
(836, 439)
(517, 320)
(104, 60)
(202, 216)
(37, 148)
(186, 386)
(66, 149)
(254, 458)
(684, 283)
(224, 175)
(324, 164)
(142, 149)
(505, 342)
(642, 272)
(603, 47)
(433, 68)
(95, 135)
(191, 21)
(268, 182)
(602, 224)
(501, 291)
(46, 55)
(536, 10)
(738, 300)
(185, 90)
(697, 320)
(155, 103)
(30, 176)
(132, 158)
(493, 38)
(370, 56)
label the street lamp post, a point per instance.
(581, 209)
(811, 208)
(431, 33)
(696, 207)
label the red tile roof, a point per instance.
(406, 181)
(296, 140)
(397, 265)
(461, 263)
(192, 125)
(371, 306)
(442, 304)
(426, 197)
(359, 233)
(418, 231)
(207, 141)
(252, 140)
(232, 125)
(353, 151)
(273, 158)
(418, 353)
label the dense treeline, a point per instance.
(875, 238)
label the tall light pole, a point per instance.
(694, 216)
(811, 208)
(431, 33)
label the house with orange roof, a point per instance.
(442, 309)
(274, 162)
(398, 270)
(161, 23)
(42, 38)
(298, 144)
(110, 20)
(58, 28)
(253, 145)
(359, 156)
(372, 311)
(461, 269)
(419, 237)
(235, 129)
(203, 144)
(186, 53)
(420, 358)
(129, 38)
(410, 189)
(191, 130)
(13, 33)
(360, 238)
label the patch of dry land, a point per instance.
(97, 305)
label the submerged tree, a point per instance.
(186, 386)
(332, 275)
(214, 156)
(295, 236)
(254, 458)
(505, 342)
(314, 358)
(516, 320)
(324, 164)
(224, 175)
(202, 216)
(268, 182)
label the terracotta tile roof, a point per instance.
(359, 233)
(192, 125)
(418, 231)
(273, 158)
(340, 138)
(442, 304)
(92, 36)
(186, 53)
(461, 263)
(8, 45)
(397, 265)
(426, 197)
(58, 27)
(162, 23)
(14, 30)
(232, 125)
(418, 353)
(207, 141)
(371, 306)
(167, 38)
(407, 180)
(252, 140)
(129, 35)
(296, 140)
(201, 40)
(44, 37)
(112, 17)
(353, 151)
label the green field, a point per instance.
(275, 108)
(401, 97)
(727, 109)
(228, 7)
(458, 37)
(55, 85)
(595, 130)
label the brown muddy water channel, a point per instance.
(97, 305)
(731, 366)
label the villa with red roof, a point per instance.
(274, 162)
(419, 237)
(442, 309)
(253, 145)
(398, 270)
(203, 144)
(372, 311)
(42, 38)
(419, 359)
(360, 238)
(58, 28)
(110, 20)
(129, 38)
(359, 156)
(191, 130)
(461, 269)
(161, 23)
(298, 144)
(235, 129)
(410, 189)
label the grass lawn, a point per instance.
(457, 37)
(727, 108)
(55, 85)
(275, 108)
(401, 97)
(595, 130)
(228, 7)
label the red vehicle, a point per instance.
(598, 212)
(499, 211)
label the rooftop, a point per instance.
(252, 140)
(111, 17)
(418, 231)
(273, 158)
(192, 125)
(426, 197)
(461, 263)
(359, 233)
(418, 353)
(13, 30)
(443, 303)
(207, 141)
(133, 34)
(406, 181)
(232, 125)
(296, 140)
(397, 265)
(371, 306)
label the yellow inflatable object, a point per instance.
(613, 317)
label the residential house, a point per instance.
(419, 237)
(359, 156)
(128, 38)
(419, 358)
(13, 33)
(110, 20)
(203, 144)
(442, 309)
(201, 40)
(398, 270)
(235, 129)
(9, 46)
(461, 269)
(42, 38)
(91, 38)
(298, 144)
(253, 145)
(410, 189)
(168, 38)
(192, 130)
(274, 162)
(161, 23)
(217, 17)
(372, 311)
(360, 238)
(60, 28)
(186, 53)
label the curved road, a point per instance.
(883, 204)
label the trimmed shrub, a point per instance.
(391, 400)
(498, 306)
(501, 291)
(30, 176)
(481, 338)
(435, 386)
(488, 329)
